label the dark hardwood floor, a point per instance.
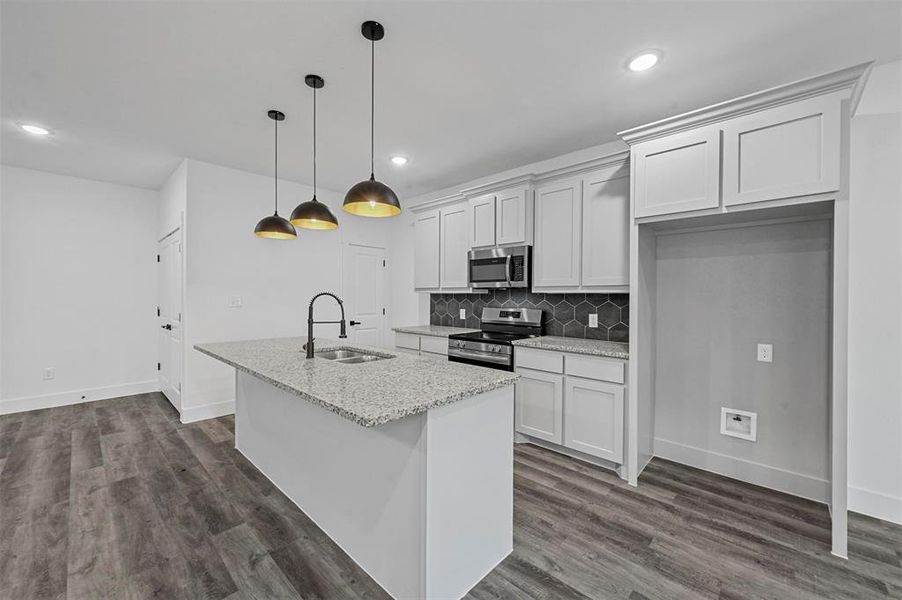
(117, 499)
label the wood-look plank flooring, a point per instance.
(118, 499)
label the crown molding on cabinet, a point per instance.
(615, 161)
(851, 79)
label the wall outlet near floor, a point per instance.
(740, 424)
(765, 353)
(463, 313)
(235, 302)
(593, 320)
(49, 373)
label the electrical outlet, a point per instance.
(765, 353)
(235, 302)
(49, 373)
(463, 313)
(593, 320)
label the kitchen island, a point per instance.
(406, 462)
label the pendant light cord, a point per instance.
(276, 121)
(314, 142)
(372, 108)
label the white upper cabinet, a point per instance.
(785, 151)
(557, 252)
(514, 216)
(677, 173)
(455, 243)
(426, 251)
(482, 221)
(605, 230)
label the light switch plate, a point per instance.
(463, 313)
(766, 353)
(49, 373)
(593, 320)
(235, 302)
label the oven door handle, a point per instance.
(498, 359)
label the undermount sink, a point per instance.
(350, 357)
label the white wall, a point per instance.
(412, 308)
(719, 294)
(274, 278)
(78, 289)
(875, 303)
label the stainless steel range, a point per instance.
(491, 347)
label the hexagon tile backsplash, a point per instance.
(565, 314)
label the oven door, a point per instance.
(481, 359)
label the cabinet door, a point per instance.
(482, 221)
(538, 406)
(556, 255)
(593, 418)
(455, 243)
(514, 219)
(426, 249)
(677, 173)
(787, 151)
(606, 231)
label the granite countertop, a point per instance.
(433, 330)
(369, 394)
(577, 346)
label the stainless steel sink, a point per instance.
(340, 354)
(350, 356)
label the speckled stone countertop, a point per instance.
(370, 393)
(577, 346)
(433, 330)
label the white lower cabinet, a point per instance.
(594, 419)
(538, 409)
(583, 413)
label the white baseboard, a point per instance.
(15, 405)
(207, 411)
(875, 504)
(797, 484)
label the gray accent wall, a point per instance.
(719, 294)
(565, 314)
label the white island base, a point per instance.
(423, 504)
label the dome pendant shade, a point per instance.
(372, 198)
(313, 214)
(275, 227)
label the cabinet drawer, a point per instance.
(434, 345)
(604, 369)
(542, 360)
(407, 340)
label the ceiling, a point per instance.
(465, 89)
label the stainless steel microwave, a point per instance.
(499, 267)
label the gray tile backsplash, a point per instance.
(565, 314)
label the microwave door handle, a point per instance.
(508, 267)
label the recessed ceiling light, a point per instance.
(399, 160)
(35, 129)
(644, 60)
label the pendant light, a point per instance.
(276, 227)
(313, 214)
(372, 198)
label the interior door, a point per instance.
(169, 317)
(364, 273)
